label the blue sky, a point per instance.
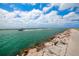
(42, 14)
(30, 7)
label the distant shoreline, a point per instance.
(32, 29)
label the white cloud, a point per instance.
(64, 6)
(71, 16)
(34, 18)
(72, 20)
(34, 14)
(45, 9)
(51, 18)
(49, 6)
(10, 19)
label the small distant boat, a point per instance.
(20, 29)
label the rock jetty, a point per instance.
(56, 46)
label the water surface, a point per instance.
(13, 41)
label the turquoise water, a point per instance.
(13, 41)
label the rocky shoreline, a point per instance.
(56, 46)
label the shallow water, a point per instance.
(13, 41)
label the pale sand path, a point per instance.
(73, 46)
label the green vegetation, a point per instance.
(77, 28)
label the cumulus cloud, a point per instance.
(11, 19)
(37, 18)
(8, 20)
(49, 6)
(27, 19)
(72, 16)
(51, 19)
(72, 20)
(45, 9)
(64, 6)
